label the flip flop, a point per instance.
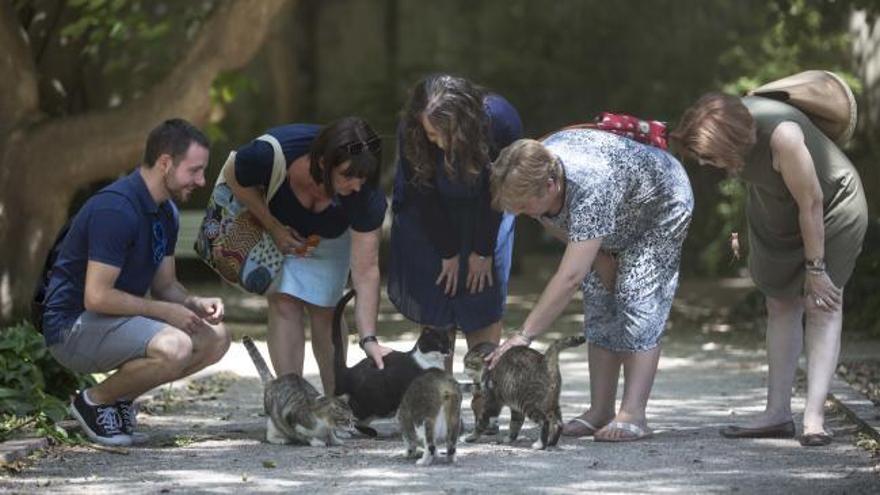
(579, 427)
(633, 432)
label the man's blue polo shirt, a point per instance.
(121, 225)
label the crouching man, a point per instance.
(120, 245)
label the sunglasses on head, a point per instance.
(373, 144)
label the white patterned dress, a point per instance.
(638, 200)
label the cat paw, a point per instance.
(345, 434)
(412, 454)
(425, 461)
(314, 442)
(538, 445)
(473, 437)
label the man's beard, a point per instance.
(178, 194)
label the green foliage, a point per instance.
(862, 302)
(116, 50)
(717, 256)
(225, 89)
(793, 35)
(33, 387)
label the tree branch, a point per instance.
(98, 144)
(19, 97)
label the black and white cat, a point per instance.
(375, 393)
(297, 412)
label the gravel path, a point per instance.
(206, 438)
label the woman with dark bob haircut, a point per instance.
(330, 192)
(450, 251)
(807, 218)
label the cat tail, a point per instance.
(339, 349)
(259, 362)
(551, 356)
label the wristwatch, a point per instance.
(815, 264)
(368, 338)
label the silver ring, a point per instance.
(818, 301)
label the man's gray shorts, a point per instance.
(98, 343)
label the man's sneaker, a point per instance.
(101, 423)
(128, 415)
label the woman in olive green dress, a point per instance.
(807, 218)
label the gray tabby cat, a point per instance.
(297, 412)
(430, 410)
(523, 379)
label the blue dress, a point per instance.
(460, 221)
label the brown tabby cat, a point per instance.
(297, 412)
(430, 409)
(526, 381)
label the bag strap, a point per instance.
(279, 167)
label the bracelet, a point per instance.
(522, 334)
(815, 265)
(367, 339)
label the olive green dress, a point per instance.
(776, 249)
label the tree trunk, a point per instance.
(44, 161)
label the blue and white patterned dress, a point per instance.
(638, 200)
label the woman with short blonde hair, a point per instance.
(624, 208)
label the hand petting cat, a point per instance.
(376, 352)
(513, 340)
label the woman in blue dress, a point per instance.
(330, 192)
(450, 251)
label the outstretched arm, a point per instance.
(365, 279)
(575, 264)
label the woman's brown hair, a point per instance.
(347, 139)
(718, 128)
(454, 106)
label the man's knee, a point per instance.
(218, 343)
(173, 347)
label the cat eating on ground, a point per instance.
(376, 393)
(297, 412)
